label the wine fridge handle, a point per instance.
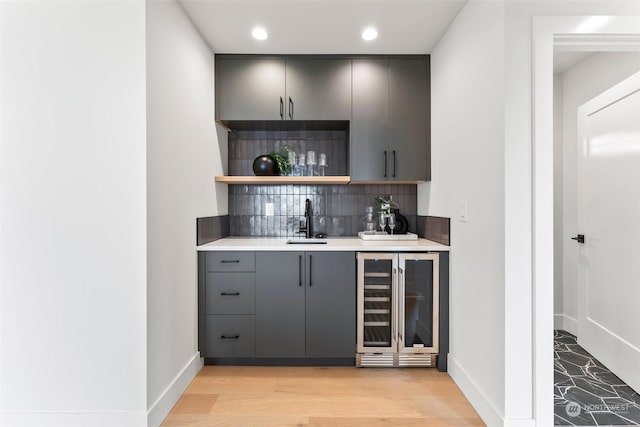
(400, 301)
(394, 295)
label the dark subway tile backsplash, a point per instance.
(246, 145)
(338, 210)
(211, 228)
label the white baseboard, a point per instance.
(61, 419)
(489, 413)
(566, 323)
(163, 405)
(153, 417)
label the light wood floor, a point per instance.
(303, 396)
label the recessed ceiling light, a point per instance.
(259, 33)
(369, 33)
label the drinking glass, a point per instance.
(322, 163)
(292, 162)
(382, 220)
(311, 162)
(302, 164)
(392, 222)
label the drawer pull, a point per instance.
(230, 261)
(230, 294)
(232, 337)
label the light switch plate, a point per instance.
(463, 215)
(268, 209)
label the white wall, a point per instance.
(183, 156)
(580, 83)
(518, 151)
(73, 214)
(482, 154)
(467, 81)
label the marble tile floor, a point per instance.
(586, 393)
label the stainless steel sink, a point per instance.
(307, 242)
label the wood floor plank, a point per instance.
(181, 420)
(340, 406)
(321, 396)
(394, 422)
(444, 407)
(195, 404)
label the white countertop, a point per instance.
(333, 244)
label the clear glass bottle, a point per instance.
(369, 222)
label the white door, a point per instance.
(609, 217)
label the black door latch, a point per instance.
(579, 238)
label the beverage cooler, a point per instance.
(397, 309)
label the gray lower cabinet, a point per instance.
(230, 336)
(227, 304)
(390, 127)
(305, 304)
(280, 300)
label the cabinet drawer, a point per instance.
(231, 293)
(230, 336)
(230, 261)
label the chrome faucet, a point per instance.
(307, 229)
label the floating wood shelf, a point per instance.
(284, 179)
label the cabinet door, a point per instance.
(250, 88)
(331, 304)
(409, 119)
(419, 297)
(370, 122)
(318, 89)
(280, 289)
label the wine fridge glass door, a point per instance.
(418, 312)
(377, 319)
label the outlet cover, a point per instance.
(268, 209)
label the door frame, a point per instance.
(574, 33)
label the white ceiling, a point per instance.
(323, 26)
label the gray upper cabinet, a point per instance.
(318, 89)
(390, 128)
(282, 88)
(250, 88)
(370, 124)
(409, 119)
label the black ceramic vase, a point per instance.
(265, 166)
